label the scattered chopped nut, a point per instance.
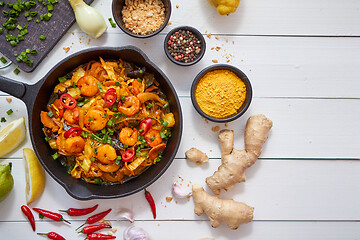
(169, 199)
(177, 6)
(114, 230)
(169, 23)
(9, 99)
(226, 124)
(212, 48)
(216, 37)
(66, 49)
(208, 35)
(217, 48)
(228, 60)
(215, 129)
(215, 61)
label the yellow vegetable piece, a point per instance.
(225, 7)
(34, 174)
(136, 163)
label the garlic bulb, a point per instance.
(88, 18)
(135, 233)
(180, 192)
(126, 214)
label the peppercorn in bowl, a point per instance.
(141, 18)
(184, 45)
(221, 93)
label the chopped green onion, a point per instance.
(62, 79)
(139, 79)
(118, 160)
(92, 159)
(50, 7)
(166, 105)
(9, 112)
(100, 88)
(50, 114)
(3, 60)
(26, 14)
(16, 71)
(149, 105)
(3, 119)
(29, 19)
(117, 83)
(112, 23)
(122, 98)
(48, 139)
(42, 37)
(55, 155)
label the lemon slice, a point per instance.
(12, 135)
(34, 174)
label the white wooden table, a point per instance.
(302, 58)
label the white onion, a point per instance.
(88, 18)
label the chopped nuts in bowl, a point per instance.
(141, 18)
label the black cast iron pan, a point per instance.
(37, 96)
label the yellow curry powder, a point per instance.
(220, 93)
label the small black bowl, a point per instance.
(117, 6)
(238, 73)
(196, 34)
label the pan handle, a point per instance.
(14, 88)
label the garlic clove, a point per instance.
(88, 18)
(135, 233)
(126, 214)
(180, 191)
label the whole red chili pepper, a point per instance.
(151, 202)
(26, 210)
(97, 236)
(95, 218)
(80, 211)
(54, 216)
(94, 228)
(53, 235)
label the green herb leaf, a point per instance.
(9, 112)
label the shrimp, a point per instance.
(109, 167)
(128, 136)
(153, 138)
(97, 71)
(137, 87)
(106, 154)
(130, 106)
(95, 119)
(72, 115)
(88, 85)
(74, 145)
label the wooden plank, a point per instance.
(261, 17)
(278, 190)
(179, 230)
(303, 128)
(276, 66)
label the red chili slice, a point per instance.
(145, 125)
(128, 155)
(73, 132)
(68, 101)
(110, 96)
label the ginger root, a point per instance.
(235, 162)
(195, 155)
(220, 211)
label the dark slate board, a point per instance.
(62, 19)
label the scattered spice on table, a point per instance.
(143, 17)
(220, 93)
(184, 46)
